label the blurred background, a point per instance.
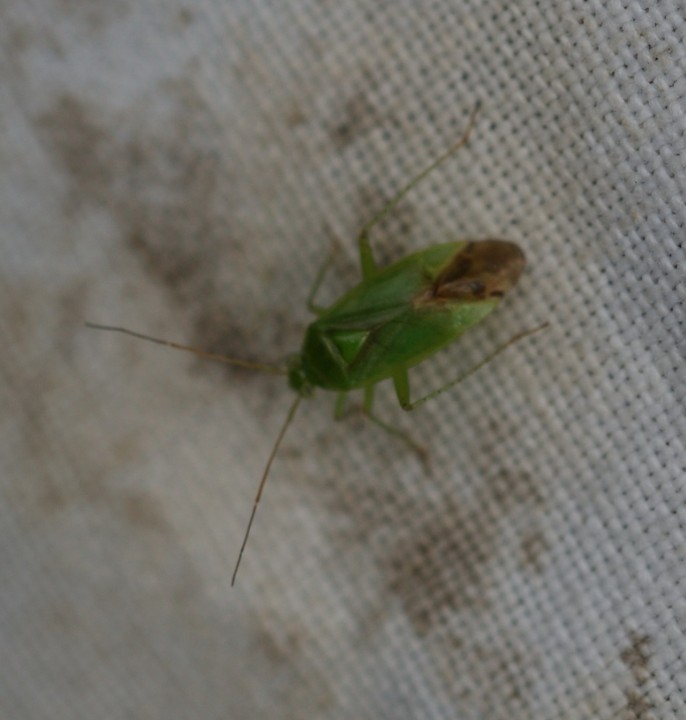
(183, 169)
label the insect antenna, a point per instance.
(265, 474)
(273, 369)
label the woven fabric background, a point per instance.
(183, 169)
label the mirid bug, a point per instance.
(395, 318)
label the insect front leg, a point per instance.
(367, 262)
(319, 278)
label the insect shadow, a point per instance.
(395, 318)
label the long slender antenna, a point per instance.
(273, 369)
(282, 432)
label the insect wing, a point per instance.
(407, 312)
(390, 291)
(412, 337)
(457, 296)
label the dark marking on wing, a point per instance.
(481, 270)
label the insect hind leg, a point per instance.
(396, 432)
(402, 386)
(421, 452)
(342, 412)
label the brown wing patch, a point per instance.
(479, 271)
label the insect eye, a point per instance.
(297, 379)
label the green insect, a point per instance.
(394, 319)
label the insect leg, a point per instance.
(421, 451)
(402, 386)
(366, 257)
(319, 278)
(367, 262)
(341, 412)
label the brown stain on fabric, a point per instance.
(157, 171)
(441, 565)
(534, 546)
(94, 15)
(637, 656)
(440, 545)
(142, 512)
(49, 490)
(355, 118)
(79, 145)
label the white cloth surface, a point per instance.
(182, 169)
